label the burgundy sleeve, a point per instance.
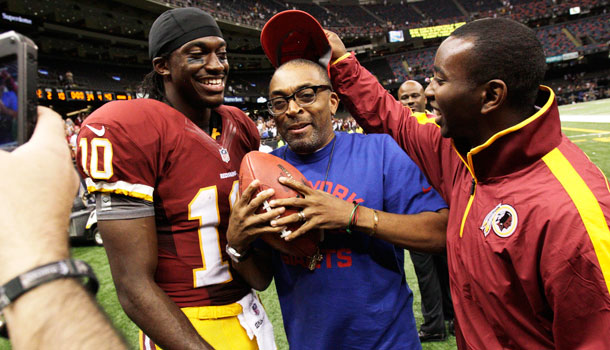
(574, 284)
(577, 293)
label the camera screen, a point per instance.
(8, 103)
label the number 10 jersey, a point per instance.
(147, 150)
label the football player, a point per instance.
(164, 171)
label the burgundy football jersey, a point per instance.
(145, 149)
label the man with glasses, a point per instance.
(357, 296)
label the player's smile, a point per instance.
(435, 109)
(213, 85)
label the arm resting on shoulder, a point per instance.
(131, 246)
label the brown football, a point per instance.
(267, 169)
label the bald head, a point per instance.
(411, 94)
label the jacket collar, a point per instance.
(519, 146)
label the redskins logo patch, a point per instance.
(502, 220)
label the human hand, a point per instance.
(336, 45)
(38, 184)
(244, 224)
(321, 210)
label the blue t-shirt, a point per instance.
(357, 297)
(9, 98)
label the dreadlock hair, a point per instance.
(152, 84)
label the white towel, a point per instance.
(256, 323)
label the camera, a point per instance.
(18, 70)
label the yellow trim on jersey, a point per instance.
(501, 133)
(587, 205)
(471, 171)
(121, 187)
(422, 118)
(345, 55)
(466, 211)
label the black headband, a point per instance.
(177, 27)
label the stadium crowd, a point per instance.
(559, 32)
(375, 19)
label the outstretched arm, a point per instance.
(425, 231)
(38, 184)
(364, 97)
(379, 112)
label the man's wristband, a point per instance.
(66, 268)
(351, 221)
(375, 223)
(235, 255)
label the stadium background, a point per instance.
(93, 51)
(103, 44)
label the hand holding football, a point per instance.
(267, 169)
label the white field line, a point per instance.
(589, 135)
(599, 118)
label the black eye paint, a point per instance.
(195, 60)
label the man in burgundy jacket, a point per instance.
(528, 242)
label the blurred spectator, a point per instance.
(69, 80)
(8, 107)
(73, 138)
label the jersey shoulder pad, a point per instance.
(120, 146)
(139, 114)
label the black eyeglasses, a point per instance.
(303, 97)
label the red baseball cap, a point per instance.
(295, 34)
